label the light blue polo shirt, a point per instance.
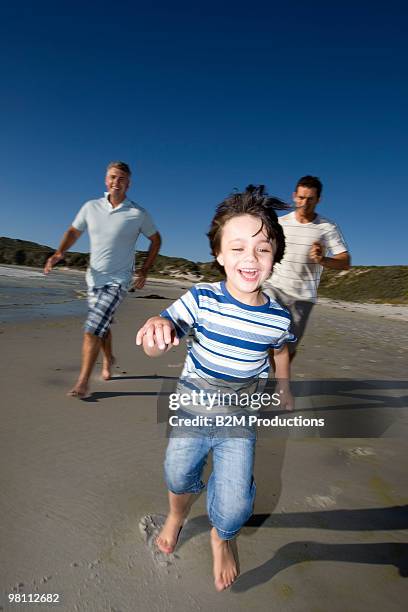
(112, 233)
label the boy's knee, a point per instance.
(176, 483)
(228, 518)
(239, 511)
(230, 523)
(179, 482)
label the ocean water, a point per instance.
(27, 293)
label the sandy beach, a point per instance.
(79, 478)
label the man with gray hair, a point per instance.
(114, 223)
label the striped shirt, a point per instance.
(297, 275)
(230, 340)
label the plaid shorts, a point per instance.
(102, 303)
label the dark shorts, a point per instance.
(299, 309)
(102, 304)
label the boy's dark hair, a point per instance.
(312, 182)
(253, 201)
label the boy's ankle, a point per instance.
(179, 516)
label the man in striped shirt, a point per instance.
(309, 239)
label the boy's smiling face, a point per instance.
(247, 257)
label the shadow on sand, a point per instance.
(384, 553)
(371, 519)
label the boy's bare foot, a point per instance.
(107, 368)
(80, 391)
(225, 566)
(167, 539)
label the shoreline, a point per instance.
(69, 298)
(27, 294)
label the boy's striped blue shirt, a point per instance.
(230, 340)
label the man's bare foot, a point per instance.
(167, 539)
(225, 566)
(107, 368)
(80, 391)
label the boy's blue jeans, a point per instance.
(231, 487)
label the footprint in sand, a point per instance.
(150, 527)
(359, 451)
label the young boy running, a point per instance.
(234, 325)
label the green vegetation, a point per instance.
(377, 284)
(174, 267)
(25, 253)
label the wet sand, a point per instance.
(329, 528)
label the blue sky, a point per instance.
(200, 99)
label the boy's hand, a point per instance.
(287, 401)
(157, 333)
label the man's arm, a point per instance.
(341, 261)
(140, 276)
(68, 239)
